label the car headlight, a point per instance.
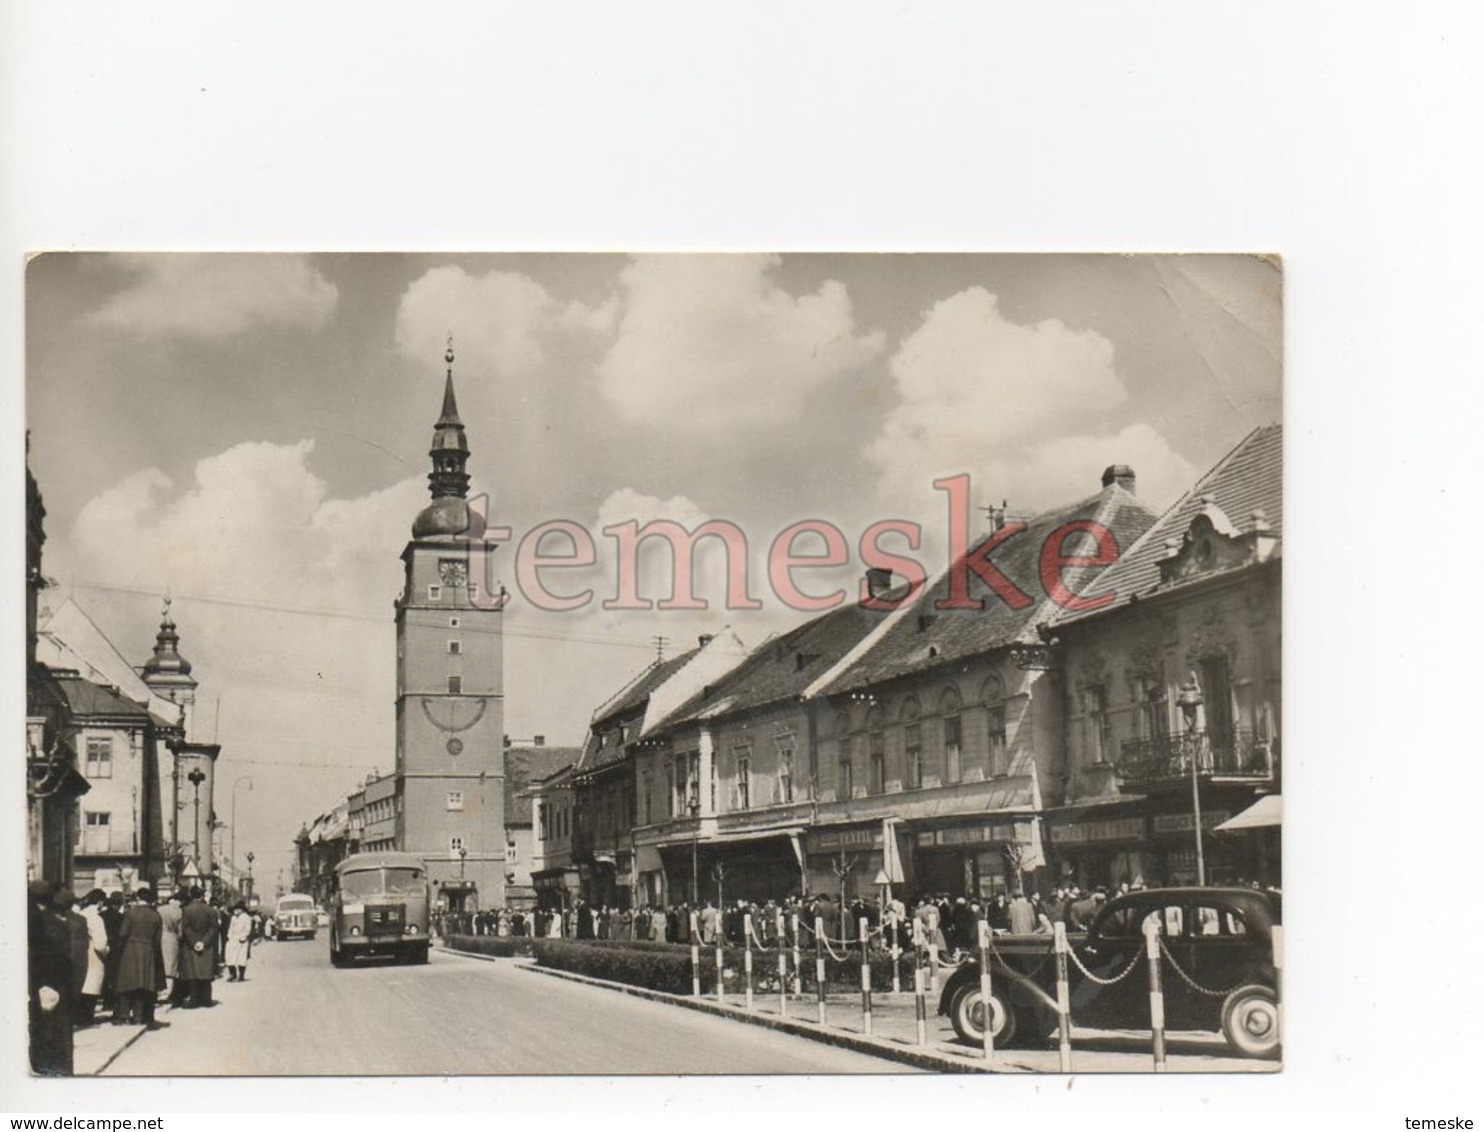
(355, 931)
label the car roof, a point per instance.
(1271, 902)
(388, 860)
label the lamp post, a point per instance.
(248, 893)
(195, 778)
(695, 834)
(232, 851)
(1190, 701)
(462, 854)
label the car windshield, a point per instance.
(404, 882)
(361, 884)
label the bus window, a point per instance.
(404, 882)
(358, 886)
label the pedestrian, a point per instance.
(170, 946)
(199, 927)
(49, 982)
(78, 945)
(112, 911)
(1022, 915)
(92, 985)
(710, 923)
(141, 971)
(239, 943)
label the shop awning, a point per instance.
(1266, 811)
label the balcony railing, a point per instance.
(1242, 755)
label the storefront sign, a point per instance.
(831, 840)
(1185, 823)
(967, 835)
(1111, 829)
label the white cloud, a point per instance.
(502, 320)
(713, 340)
(1022, 408)
(217, 296)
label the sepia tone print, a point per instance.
(656, 664)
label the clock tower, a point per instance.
(450, 686)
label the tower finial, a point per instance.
(448, 354)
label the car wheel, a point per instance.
(968, 1017)
(1249, 1020)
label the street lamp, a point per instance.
(195, 778)
(1190, 701)
(695, 831)
(247, 778)
(462, 854)
(250, 858)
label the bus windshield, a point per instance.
(381, 882)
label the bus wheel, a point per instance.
(337, 957)
(420, 954)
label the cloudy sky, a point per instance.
(250, 432)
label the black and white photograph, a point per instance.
(866, 662)
(835, 562)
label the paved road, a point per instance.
(296, 1015)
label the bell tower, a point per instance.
(450, 758)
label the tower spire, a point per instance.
(449, 514)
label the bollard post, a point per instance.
(721, 983)
(1278, 977)
(782, 970)
(919, 993)
(933, 963)
(1063, 999)
(798, 955)
(865, 976)
(695, 958)
(747, 955)
(985, 995)
(1156, 993)
(819, 964)
(896, 955)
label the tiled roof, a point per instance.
(85, 698)
(1247, 479)
(925, 636)
(628, 703)
(525, 765)
(783, 667)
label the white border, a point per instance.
(1343, 136)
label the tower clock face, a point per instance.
(454, 573)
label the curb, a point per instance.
(892, 1051)
(139, 1032)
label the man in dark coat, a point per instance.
(199, 927)
(113, 917)
(78, 947)
(142, 962)
(49, 969)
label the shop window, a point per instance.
(95, 834)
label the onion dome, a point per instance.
(167, 666)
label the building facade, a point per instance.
(527, 766)
(1174, 691)
(554, 875)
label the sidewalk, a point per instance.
(95, 1047)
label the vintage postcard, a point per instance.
(597, 664)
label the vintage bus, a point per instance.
(296, 916)
(380, 907)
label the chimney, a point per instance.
(878, 582)
(1122, 475)
(706, 638)
(538, 741)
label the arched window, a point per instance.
(993, 694)
(950, 705)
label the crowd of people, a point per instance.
(949, 923)
(118, 956)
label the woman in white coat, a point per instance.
(92, 985)
(239, 943)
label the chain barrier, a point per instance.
(757, 939)
(824, 939)
(1108, 982)
(1191, 983)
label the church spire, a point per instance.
(449, 515)
(450, 451)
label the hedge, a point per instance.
(667, 967)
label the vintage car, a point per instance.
(295, 916)
(1217, 971)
